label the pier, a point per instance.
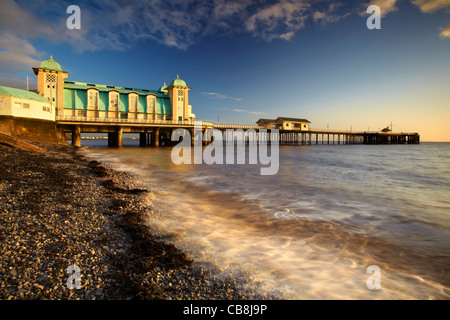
(158, 132)
(60, 110)
(313, 136)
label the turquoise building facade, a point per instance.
(97, 101)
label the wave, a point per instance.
(294, 236)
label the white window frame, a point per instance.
(110, 98)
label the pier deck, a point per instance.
(158, 132)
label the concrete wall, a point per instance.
(29, 129)
(6, 124)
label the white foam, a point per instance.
(260, 234)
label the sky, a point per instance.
(246, 60)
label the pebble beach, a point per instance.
(60, 211)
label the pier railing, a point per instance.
(154, 122)
(128, 121)
(236, 126)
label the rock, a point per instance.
(38, 286)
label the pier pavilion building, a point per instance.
(90, 100)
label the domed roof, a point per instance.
(163, 88)
(178, 82)
(50, 64)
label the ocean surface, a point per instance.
(312, 230)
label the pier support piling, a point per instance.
(115, 139)
(76, 136)
(143, 139)
(119, 136)
(156, 138)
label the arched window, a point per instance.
(133, 102)
(151, 101)
(113, 100)
(93, 98)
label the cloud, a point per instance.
(328, 15)
(427, 6)
(20, 27)
(17, 54)
(386, 6)
(37, 20)
(120, 25)
(244, 110)
(247, 111)
(16, 44)
(107, 24)
(445, 33)
(15, 18)
(219, 96)
(279, 20)
(430, 6)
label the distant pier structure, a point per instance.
(296, 131)
(60, 110)
(347, 137)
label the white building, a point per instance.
(292, 124)
(19, 103)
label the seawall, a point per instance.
(31, 129)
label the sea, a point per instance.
(335, 222)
